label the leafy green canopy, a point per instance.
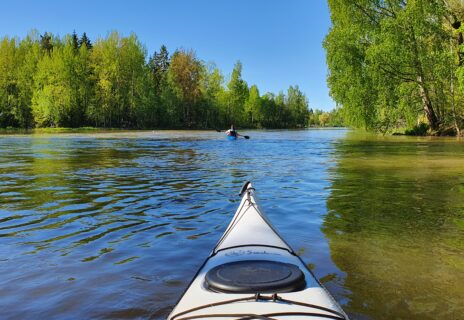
(396, 63)
(46, 81)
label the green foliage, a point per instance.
(51, 82)
(252, 106)
(237, 96)
(17, 64)
(297, 107)
(184, 76)
(121, 76)
(320, 118)
(85, 41)
(212, 99)
(391, 62)
(419, 130)
(46, 42)
(75, 40)
(159, 66)
(62, 87)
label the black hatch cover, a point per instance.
(255, 276)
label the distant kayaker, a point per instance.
(232, 132)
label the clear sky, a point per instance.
(279, 42)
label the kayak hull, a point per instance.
(231, 138)
(251, 237)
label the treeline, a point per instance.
(398, 63)
(320, 118)
(48, 81)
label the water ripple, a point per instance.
(115, 225)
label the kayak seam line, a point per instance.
(250, 316)
(258, 297)
(240, 216)
(269, 223)
(233, 223)
(254, 245)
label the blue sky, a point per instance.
(279, 42)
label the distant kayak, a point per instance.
(253, 273)
(231, 138)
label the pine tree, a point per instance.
(75, 41)
(46, 42)
(86, 41)
(159, 65)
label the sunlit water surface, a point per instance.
(114, 225)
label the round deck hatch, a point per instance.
(255, 276)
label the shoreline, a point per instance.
(174, 131)
(90, 130)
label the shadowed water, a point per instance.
(115, 225)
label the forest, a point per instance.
(70, 81)
(398, 64)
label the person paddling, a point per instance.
(232, 132)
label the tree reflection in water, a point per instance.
(395, 226)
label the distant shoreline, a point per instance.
(103, 130)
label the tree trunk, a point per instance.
(453, 102)
(427, 106)
(423, 91)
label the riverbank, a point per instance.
(103, 130)
(169, 132)
(423, 129)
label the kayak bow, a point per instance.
(252, 273)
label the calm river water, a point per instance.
(114, 225)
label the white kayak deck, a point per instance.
(250, 236)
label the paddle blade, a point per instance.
(246, 137)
